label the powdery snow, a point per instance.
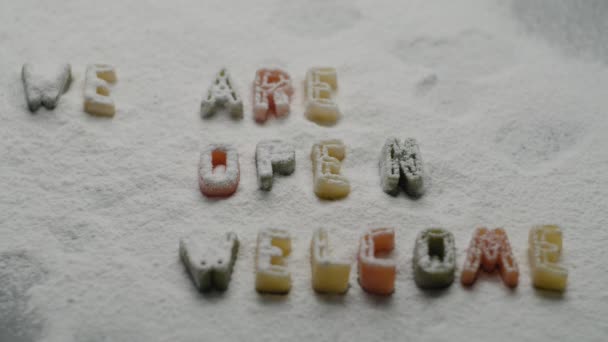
(507, 100)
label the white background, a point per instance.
(507, 99)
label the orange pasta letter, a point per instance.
(490, 249)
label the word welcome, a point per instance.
(210, 262)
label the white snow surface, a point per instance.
(507, 99)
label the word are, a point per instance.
(272, 93)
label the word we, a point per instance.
(272, 93)
(44, 86)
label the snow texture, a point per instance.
(506, 98)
